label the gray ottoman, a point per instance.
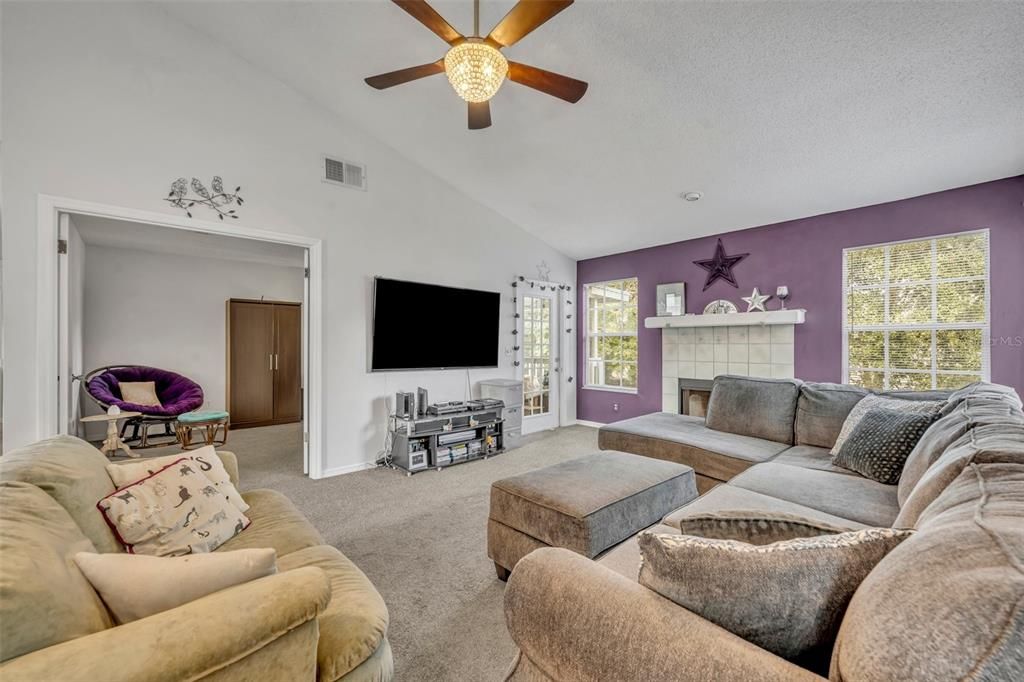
(586, 505)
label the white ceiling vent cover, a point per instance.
(345, 173)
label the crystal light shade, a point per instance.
(476, 70)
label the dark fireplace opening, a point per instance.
(693, 396)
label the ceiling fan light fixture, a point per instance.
(475, 69)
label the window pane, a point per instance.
(865, 266)
(867, 379)
(955, 381)
(909, 382)
(961, 256)
(910, 262)
(961, 301)
(629, 351)
(612, 326)
(910, 304)
(910, 350)
(865, 307)
(629, 375)
(958, 349)
(867, 349)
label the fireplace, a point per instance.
(693, 396)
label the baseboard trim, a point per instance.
(347, 469)
(584, 422)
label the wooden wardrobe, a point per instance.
(264, 361)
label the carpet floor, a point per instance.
(421, 539)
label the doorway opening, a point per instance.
(140, 298)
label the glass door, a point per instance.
(539, 353)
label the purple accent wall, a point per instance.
(806, 255)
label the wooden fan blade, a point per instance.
(522, 19)
(428, 16)
(557, 85)
(388, 80)
(479, 115)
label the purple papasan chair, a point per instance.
(177, 395)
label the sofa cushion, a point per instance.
(879, 445)
(44, 598)
(590, 503)
(73, 473)
(355, 622)
(759, 408)
(787, 597)
(969, 413)
(204, 459)
(756, 527)
(728, 497)
(811, 457)
(134, 586)
(873, 402)
(946, 604)
(989, 443)
(174, 512)
(274, 522)
(624, 558)
(853, 497)
(686, 440)
(821, 410)
(983, 389)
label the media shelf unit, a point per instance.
(439, 441)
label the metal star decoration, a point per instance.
(756, 300)
(720, 267)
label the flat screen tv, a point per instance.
(428, 326)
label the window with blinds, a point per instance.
(611, 335)
(916, 313)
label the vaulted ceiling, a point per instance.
(772, 110)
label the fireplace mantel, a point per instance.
(727, 319)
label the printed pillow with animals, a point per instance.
(173, 512)
(205, 459)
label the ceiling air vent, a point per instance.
(344, 173)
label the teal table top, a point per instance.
(202, 416)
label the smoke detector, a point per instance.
(692, 196)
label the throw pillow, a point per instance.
(873, 402)
(140, 393)
(174, 511)
(879, 445)
(755, 527)
(205, 459)
(135, 586)
(787, 597)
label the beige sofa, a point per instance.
(947, 604)
(319, 618)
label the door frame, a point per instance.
(49, 209)
(555, 383)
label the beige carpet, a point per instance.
(420, 539)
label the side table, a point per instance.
(113, 442)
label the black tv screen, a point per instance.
(427, 326)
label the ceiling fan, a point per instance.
(476, 67)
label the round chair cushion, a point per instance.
(177, 394)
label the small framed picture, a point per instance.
(671, 299)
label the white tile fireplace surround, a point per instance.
(706, 352)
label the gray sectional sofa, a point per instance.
(947, 604)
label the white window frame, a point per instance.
(985, 327)
(588, 334)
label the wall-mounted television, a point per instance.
(428, 326)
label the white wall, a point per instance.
(111, 102)
(168, 311)
(76, 320)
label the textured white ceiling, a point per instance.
(773, 110)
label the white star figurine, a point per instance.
(756, 300)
